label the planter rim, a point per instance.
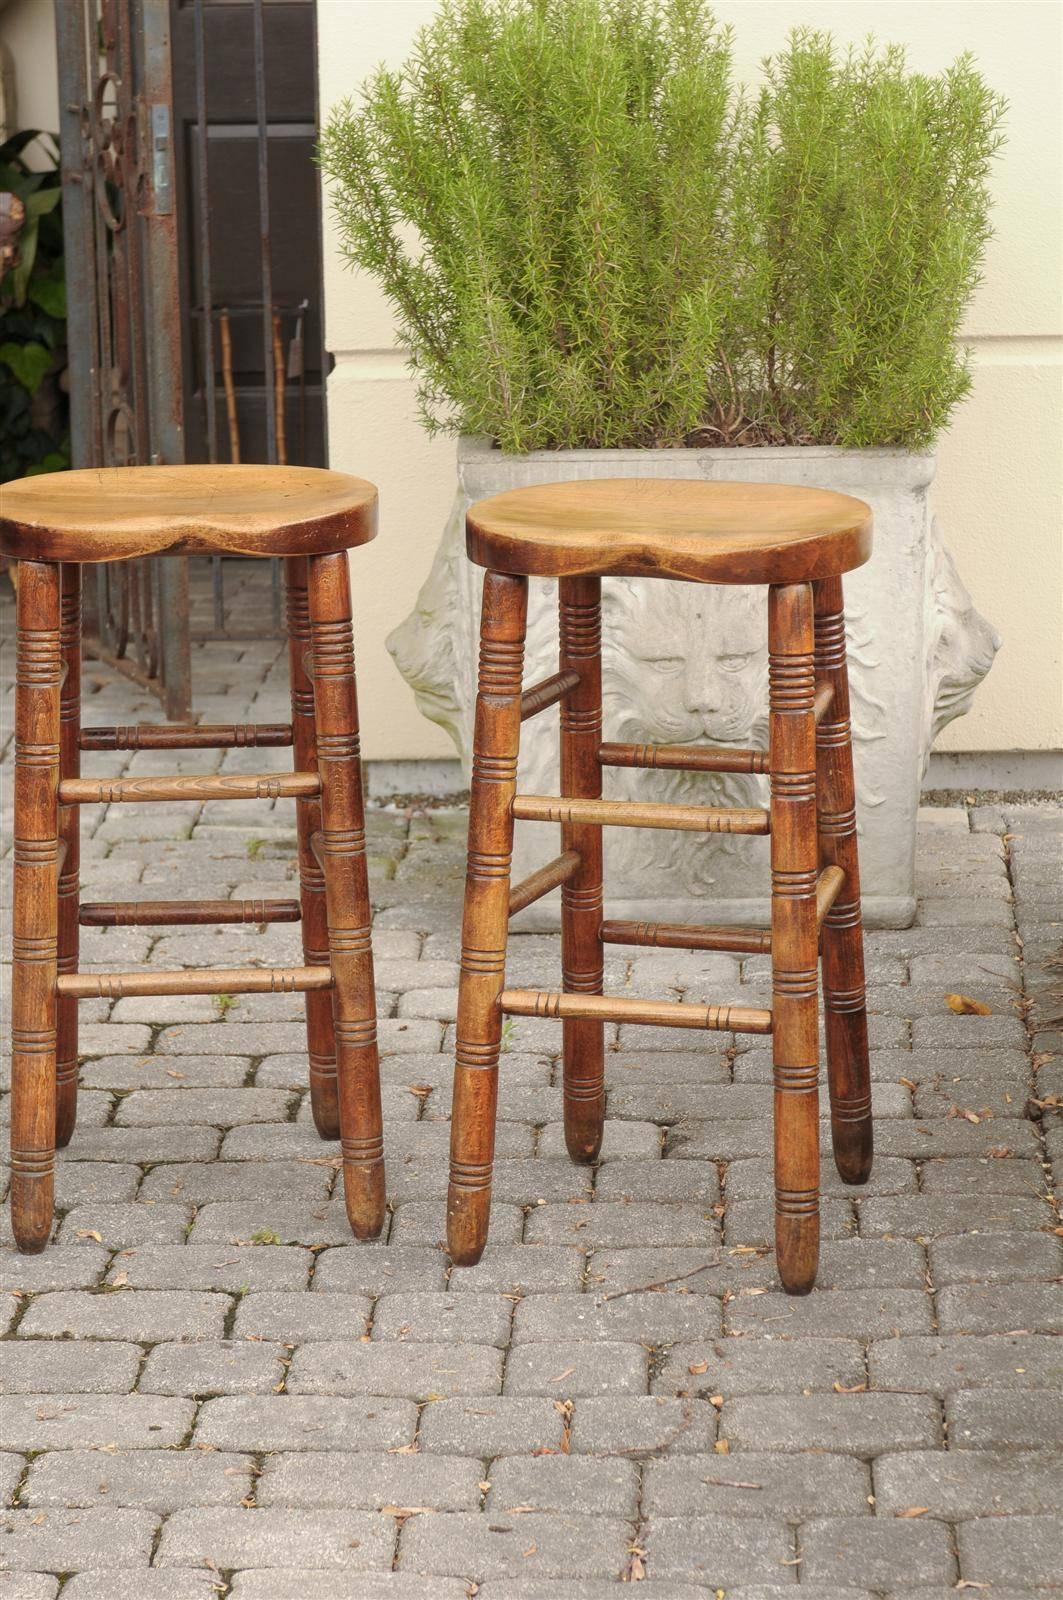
(916, 467)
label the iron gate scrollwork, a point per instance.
(124, 306)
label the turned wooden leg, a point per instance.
(342, 847)
(320, 1033)
(66, 1056)
(793, 932)
(581, 896)
(35, 909)
(842, 939)
(485, 919)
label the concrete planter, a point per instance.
(688, 663)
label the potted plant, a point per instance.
(605, 260)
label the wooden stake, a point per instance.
(496, 740)
(347, 893)
(34, 944)
(794, 934)
(848, 1069)
(320, 1026)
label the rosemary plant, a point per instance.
(591, 238)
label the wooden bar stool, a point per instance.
(797, 542)
(52, 525)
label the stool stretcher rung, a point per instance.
(692, 936)
(547, 693)
(227, 786)
(217, 980)
(828, 887)
(655, 1013)
(187, 736)
(176, 913)
(682, 758)
(636, 814)
(824, 699)
(538, 883)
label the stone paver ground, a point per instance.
(211, 1390)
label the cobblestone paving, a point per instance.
(211, 1390)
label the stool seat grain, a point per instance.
(120, 513)
(671, 528)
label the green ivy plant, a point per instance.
(592, 238)
(34, 411)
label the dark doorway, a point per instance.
(253, 377)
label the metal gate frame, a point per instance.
(119, 222)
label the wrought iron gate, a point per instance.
(180, 294)
(123, 305)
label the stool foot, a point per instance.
(583, 1046)
(35, 905)
(485, 918)
(364, 1188)
(797, 1252)
(341, 845)
(794, 933)
(842, 942)
(324, 1094)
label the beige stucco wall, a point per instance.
(27, 44)
(998, 488)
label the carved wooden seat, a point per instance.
(797, 542)
(52, 525)
(116, 513)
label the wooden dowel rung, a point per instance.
(679, 936)
(637, 814)
(219, 980)
(226, 786)
(682, 758)
(828, 887)
(824, 698)
(178, 913)
(654, 1013)
(536, 884)
(547, 693)
(187, 736)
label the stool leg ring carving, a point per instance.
(581, 895)
(342, 845)
(848, 1071)
(320, 1032)
(66, 1063)
(38, 674)
(486, 914)
(791, 672)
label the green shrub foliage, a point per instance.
(591, 238)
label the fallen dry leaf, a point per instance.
(913, 1511)
(722, 1447)
(698, 1367)
(964, 1006)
